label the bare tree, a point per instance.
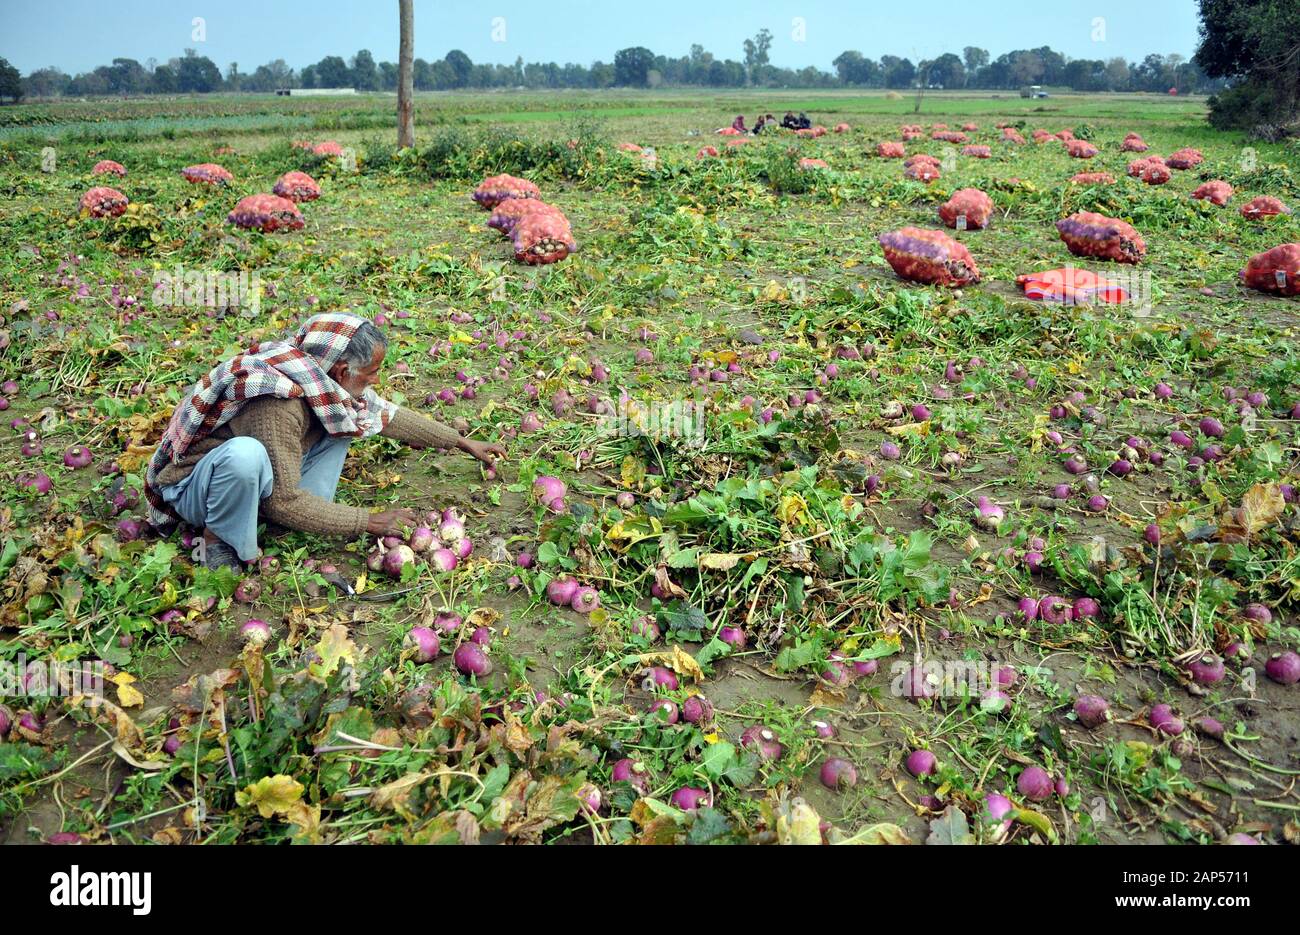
(405, 76)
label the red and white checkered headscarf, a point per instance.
(293, 369)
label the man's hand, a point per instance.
(487, 452)
(390, 522)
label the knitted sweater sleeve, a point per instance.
(419, 431)
(280, 427)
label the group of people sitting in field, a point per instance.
(788, 122)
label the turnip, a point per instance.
(1210, 727)
(1098, 503)
(689, 798)
(625, 500)
(995, 701)
(837, 773)
(447, 622)
(560, 591)
(421, 539)
(1085, 608)
(1075, 464)
(996, 808)
(1258, 613)
(424, 641)
(9, 388)
(255, 631)
(1034, 562)
(37, 481)
(585, 600)
(29, 726)
(482, 636)
(1164, 720)
(77, 456)
(1181, 439)
(1091, 710)
(889, 451)
(397, 558)
(1212, 427)
(1283, 668)
(1152, 534)
(1028, 608)
(470, 659)
(664, 710)
(1055, 610)
(659, 677)
(1035, 784)
(633, 773)
(1240, 838)
(128, 530)
(6, 721)
(835, 674)
(697, 710)
(1236, 651)
(916, 684)
(530, 423)
(464, 548)
(375, 560)
(823, 730)
(921, 763)
(443, 559)
(733, 637)
(1062, 787)
(588, 797)
(248, 590)
(1206, 669)
(866, 667)
(763, 742)
(646, 628)
(988, 515)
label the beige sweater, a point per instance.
(287, 428)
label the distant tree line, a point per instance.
(635, 67)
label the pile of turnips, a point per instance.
(539, 232)
(441, 539)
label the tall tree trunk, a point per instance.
(405, 77)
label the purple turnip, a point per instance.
(664, 710)
(633, 773)
(1258, 613)
(823, 730)
(397, 558)
(1210, 727)
(988, 515)
(248, 590)
(1055, 610)
(763, 742)
(560, 591)
(659, 677)
(733, 637)
(470, 659)
(921, 763)
(443, 559)
(255, 631)
(1035, 784)
(585, 600)
(1091, 710)
(1206, 669)
(425, 643)
(1283, 668)
(689, 798)
(697, 710)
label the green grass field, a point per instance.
(805, 531)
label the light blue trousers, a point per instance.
(226, 486)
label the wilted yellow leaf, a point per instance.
(127, 695)
(1261, 505)
(271, 795)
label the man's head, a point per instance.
(358, 369)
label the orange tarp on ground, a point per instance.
(1070, 286)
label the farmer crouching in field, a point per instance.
(268, 430)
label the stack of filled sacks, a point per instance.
(539, 231)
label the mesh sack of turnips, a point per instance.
(1276, 271)
(970, 127)
(919, 158)
(912, 134)
(1093, 178)
(922, 172)
(1044, 136)
(297, 187)
(1012, 135)
(1155, 173)
(950, 136)
(104, 202)
(1080, 149)
(1262, 206)
(807, 163)
(1133, 144)
(706, 152)
(109, 167)
(542, 237)
(206, 173)
(497, 188)
(1065, 135)
(929, 256)
(969, 203)
(507, 213)
(1216, 192)
(266, 213)
(1089, 234)
(1186, 158)
(634, 148)
(978, 152)
(328, 148)
(841, 128)
(890, 149)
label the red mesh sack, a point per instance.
(818, 130)
(109, 167)
(1216, 192)
(1263, 206)
(841, 128)
(1155, 173)
(497, 188)
(1043, 136)
(267, 213)
(705, 152)
(739, 141)
(1080, 149)
(937, 126)
(813, 164)
(206, 173)
(1186, 158)
(912, 134)
(297, 187)
(970, 127)
(1093, 178)
(634, 148)
(890, 150)
(1089, 234)
(968, 203)
(104, 202)
(922, 172)
(1133, 144)
(328, 148)
(1064, 135)
(507, 214)
(1276, 271)
(979, 152)
(542, 237)
(929, 256)
(301, 144)
(910, 128)
(950, 136)
(1012, 135)
(921, 158)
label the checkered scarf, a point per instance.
(292, 369)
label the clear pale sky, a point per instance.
(77, 35)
